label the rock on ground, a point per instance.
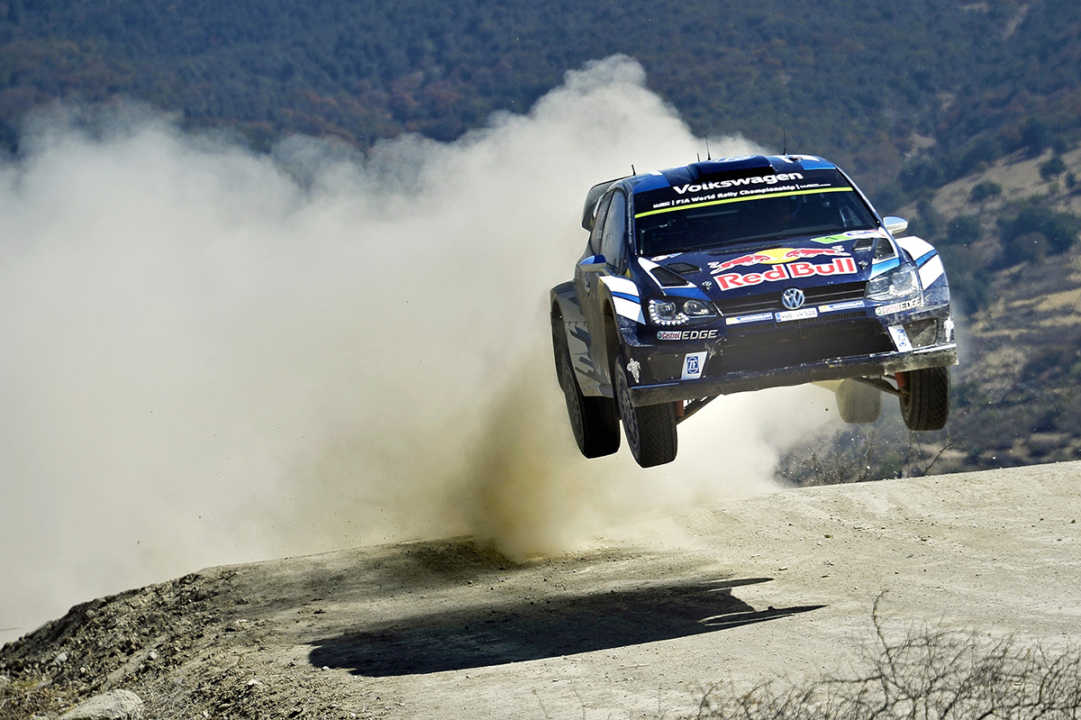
(113, 705)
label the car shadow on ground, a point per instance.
(543, 627)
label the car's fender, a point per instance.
(567, 311)
(620, 304)
(936, 288)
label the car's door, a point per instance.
(614, 234)
(589, 270)
(608, 239)
(586, 272)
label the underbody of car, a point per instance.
(736, 275)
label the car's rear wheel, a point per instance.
(925, 397)
(594, 420)
(858, 402)
(650, 430)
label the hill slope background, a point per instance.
(864, 83)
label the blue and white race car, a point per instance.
(742, 274)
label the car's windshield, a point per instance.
(748, 220)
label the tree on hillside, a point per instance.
(985, 190)
(1052, 168)
(1035, 136)
(962, 230)
(1036, 230)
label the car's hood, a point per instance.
(793, 262)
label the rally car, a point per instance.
(741, 274)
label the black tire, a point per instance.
(925, 398)
(858, 402)
(650, 430)
(594, 420)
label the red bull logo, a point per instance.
(792, 271)
(776, 256)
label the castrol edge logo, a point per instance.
(789, 271)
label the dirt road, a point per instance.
(780, 585)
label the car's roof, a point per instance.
(657, 179)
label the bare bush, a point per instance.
(929, 675)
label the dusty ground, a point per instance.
(780, 585)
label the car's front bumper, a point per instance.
(873, 365)
(855, 344)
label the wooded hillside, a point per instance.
(855, 81)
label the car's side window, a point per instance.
(598, 225)
(615, 228)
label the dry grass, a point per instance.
(924, 675)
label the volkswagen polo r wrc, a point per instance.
(741, 274)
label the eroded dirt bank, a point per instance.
(780, 585)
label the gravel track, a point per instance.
(775, 586)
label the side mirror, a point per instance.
(895, 225)
(592, 260)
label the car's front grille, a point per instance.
(784, 346)
(834, 293)
(771, 300)
(752, 304)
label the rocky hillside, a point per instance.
(1010, 236)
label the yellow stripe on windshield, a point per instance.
(741, 199)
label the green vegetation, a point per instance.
(849, 80)
(1023, 232)
(985, 190)
(1052, 168)
(1041, 227)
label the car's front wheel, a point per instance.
(650, 430)
(925, 397)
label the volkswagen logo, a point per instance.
(792, 298)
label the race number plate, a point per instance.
(801, 314)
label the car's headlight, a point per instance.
(678, 312)
(898, 284)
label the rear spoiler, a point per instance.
(593, 197)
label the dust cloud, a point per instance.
(213, 356)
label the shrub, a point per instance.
(968, 287)
(889, 198)
(925, 674)
(1060, 229)
(1035, 136)
(929, 220)
(962, 230)
(1052, 168)
(923, 174)
(985, 191)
